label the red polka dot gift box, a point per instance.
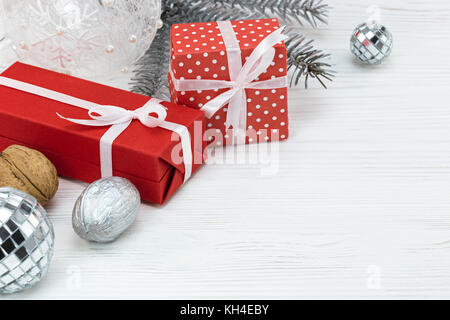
(236, 72)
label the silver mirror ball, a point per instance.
(26, 241)
(371, 43)
(105, 209)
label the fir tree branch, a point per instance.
(150, 76)
(306, 61)
(312, 11)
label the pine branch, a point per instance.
(313, 12)
(150, 77)
(204, 11)
(303, 60)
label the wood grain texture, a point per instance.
(358, 207)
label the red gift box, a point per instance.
(199, 52)
(140, 154)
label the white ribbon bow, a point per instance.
(111, 115)
(118, 118)
(242, 77)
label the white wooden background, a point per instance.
(359, 208)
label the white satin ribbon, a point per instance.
(242, 77)
(117, 117)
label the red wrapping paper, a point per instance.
(198, 52)
(140, 154)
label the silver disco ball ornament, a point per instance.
(371, 43)
(26, 241)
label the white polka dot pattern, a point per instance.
(198, 52)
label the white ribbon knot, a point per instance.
(242, 77)
(117, 117)
(112, 115)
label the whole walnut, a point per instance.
(29, 171)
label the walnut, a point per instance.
(29, 171)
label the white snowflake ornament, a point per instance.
(86, 38)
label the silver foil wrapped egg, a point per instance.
(105, 209)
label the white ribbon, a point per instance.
(242, 77)
(118, 118)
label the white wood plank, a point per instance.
(359, 206)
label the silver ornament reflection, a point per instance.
(371, 43)
(26, 241)
(105, 209)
